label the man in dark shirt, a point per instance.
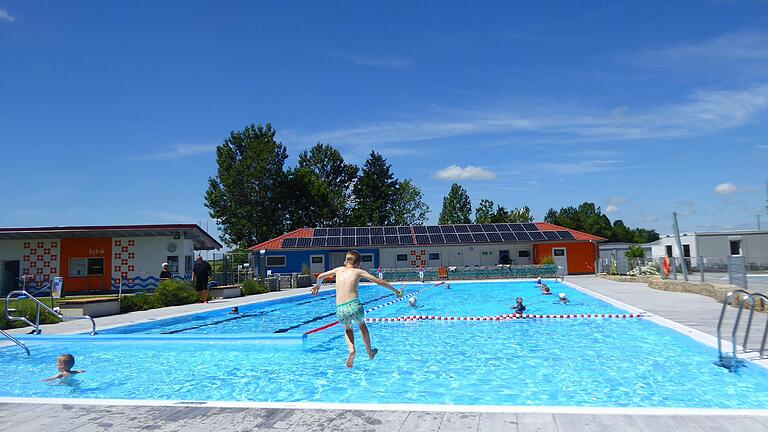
(201, 273)
(165, 273)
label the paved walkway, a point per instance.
(696, 311)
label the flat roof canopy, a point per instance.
(202, 240)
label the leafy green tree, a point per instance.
(408, 207)
(621, 233)
(484, 212)
(457, 207)
(522, 214)
(375, 191)
(245, 196)
(635, 251)
(589, 218)
(334, 175)
(308, 199)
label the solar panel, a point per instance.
(451, 238)
(304, 242)
(318, 241)
(289, 243)
(565, 235)
(503, 227)
(508, 237)
(494, 237)
(332, 241)
(433, 229)
(392, 240)
(420, 229)
(347, 241)
(320, 232)
(362, 231)
(377, 231)
(517, 227)
(551, 235)
(362, 241)
(377, 240)
(406, 239)
(536, 235)
(422, 239)
(466, 238)
(436, 239)
(447, 229)
(347, 232)
(480, 237)
(475, 228)
(334, 232)
(461, 228)
(522, 236)
(404, 230)
(487, 227)
(390, 230)
(530, 227)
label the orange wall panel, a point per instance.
(86, 248)
(580, 255)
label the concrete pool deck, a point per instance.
(697, 312)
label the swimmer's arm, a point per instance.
(381, 282)
(55, 377)
(320, 278)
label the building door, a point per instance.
(504, 257)
(455, 258)
(561, 259)
(337, 259)
(488, 258)
(10, 279)
(316, 264)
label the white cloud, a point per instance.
(582, 167)
(5, 16)
(616, 200)
(611, 208)
(455, 172)
(387, 62)
(725, 189)
(178, 152)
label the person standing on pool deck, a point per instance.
(201, 273)
(348, 306)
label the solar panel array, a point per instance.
(348, 237)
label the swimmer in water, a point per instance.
(64, 364)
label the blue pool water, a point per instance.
(604, 362)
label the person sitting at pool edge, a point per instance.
(519, 307)
(348, 306)
(64, 364)
(546, 291)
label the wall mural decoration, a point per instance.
(40, 259)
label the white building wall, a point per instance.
(659, 250)
(458, 256)
(753, 245)
(142, 257)
(39, 257)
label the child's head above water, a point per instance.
(65, 362)
(519, 300)
(353, 258)
(546, 290)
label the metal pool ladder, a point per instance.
(743, 298)
(38, 304)
(16, 341)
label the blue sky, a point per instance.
(110, 112)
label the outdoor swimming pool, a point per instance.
(536, 362)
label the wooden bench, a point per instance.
(224, 291)
(93, 308)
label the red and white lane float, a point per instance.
(502, 317)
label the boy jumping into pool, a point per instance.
(348, 306)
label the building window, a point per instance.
(317, 260)
(434, 256)
(686, 251)
(86, 267)
(402, 257)
(276, 261)
(735, 247)
(669, 251)
(366, 258)
(173, 264)
(523, 254)
(558, 252)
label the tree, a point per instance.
(308, 200)
(484, 212)
(408, 207)
(374, 192)
(336, 176)
(245, 196)
(520, 215)
(635, 251)
(589, 218)
(457, 207)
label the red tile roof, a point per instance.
(276, 243)
(578, 235)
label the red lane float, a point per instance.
(495, 318)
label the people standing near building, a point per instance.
(201, 274)
(165, 273)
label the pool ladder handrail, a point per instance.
(38, 305)
(743, 297)
(16, 341)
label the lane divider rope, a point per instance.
(503, 317)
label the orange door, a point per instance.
(86, 264)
